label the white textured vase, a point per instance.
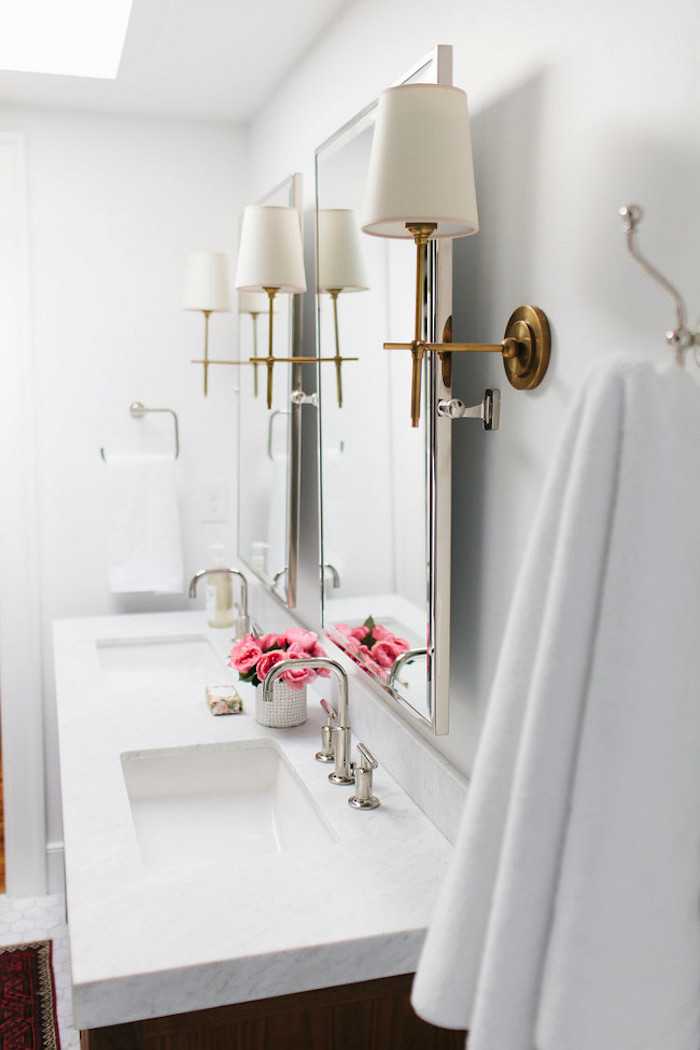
(287, 707)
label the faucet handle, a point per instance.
(368, 757)
(363, 798)
(327, 752)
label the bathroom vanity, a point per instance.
(190, 927)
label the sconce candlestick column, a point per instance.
(334, 293)
(206, 348)
(421, 234)
(271, 293)
(254, 317)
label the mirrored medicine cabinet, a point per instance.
(385, 485)
(269, 440)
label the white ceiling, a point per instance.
(205, 59)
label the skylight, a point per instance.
(78, 38)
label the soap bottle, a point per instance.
(219, 590)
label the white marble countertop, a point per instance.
(151, 941)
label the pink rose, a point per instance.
(245, 655)
(272, 641)
(298, 677)
(352, 644)
(297, 652)
(268, 660)
(370, 662)
(318, 650)
(241, 644)
(385, 653)
(301, 637)
(381, 634)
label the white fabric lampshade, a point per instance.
(421, 167)
(270, 253)
(340, 262)
(206, 282)
(254, 303)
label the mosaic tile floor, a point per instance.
(41, 919)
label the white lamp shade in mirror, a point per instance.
(254, 303)
(270, 253)
(340, 263)
(206, 282)
(421, 168)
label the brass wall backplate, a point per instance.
(529, 328)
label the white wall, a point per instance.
(577, 109)
(115, 205)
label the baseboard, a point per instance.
(55, 869)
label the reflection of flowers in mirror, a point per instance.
(374, 644)
(253, 657)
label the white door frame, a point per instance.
(20, 595)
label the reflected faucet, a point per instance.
(242, 622)
(334, 574)
(342, 733)
(405, 658)
(278, 575)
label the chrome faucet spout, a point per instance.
(242, 622)
(232, 572)
(342, 732)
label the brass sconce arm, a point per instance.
(271, 361)
(525, 346)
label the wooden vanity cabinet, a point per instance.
(371, 1015)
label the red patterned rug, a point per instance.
(27, 998)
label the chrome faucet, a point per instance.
(341, 733)
(242, 622)
(402, 659)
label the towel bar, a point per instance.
(138, 410)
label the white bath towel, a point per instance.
(570, 916)
(144, 543)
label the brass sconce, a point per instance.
(254, 304)
(270, 260)
(206, 289)
(421, 185)
(340, 269)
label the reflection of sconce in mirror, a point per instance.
(254, 303)
(270, 260)
(421, 185)
(340, 268)
(206, 289)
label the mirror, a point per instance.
(385, 486)
(269, 439)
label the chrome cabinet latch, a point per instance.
(488, 410)
(363, 797)
(298, 397)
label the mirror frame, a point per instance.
(287, 597)
(438, 452)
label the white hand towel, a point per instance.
(144, 544)
(569, 919)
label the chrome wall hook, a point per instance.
(681, 338)
(488, 410)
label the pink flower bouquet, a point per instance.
(374, 645)
(253, 657)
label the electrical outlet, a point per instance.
(212, 501)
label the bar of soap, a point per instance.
(224, 700)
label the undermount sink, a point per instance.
(164, 662)
(210, 802)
